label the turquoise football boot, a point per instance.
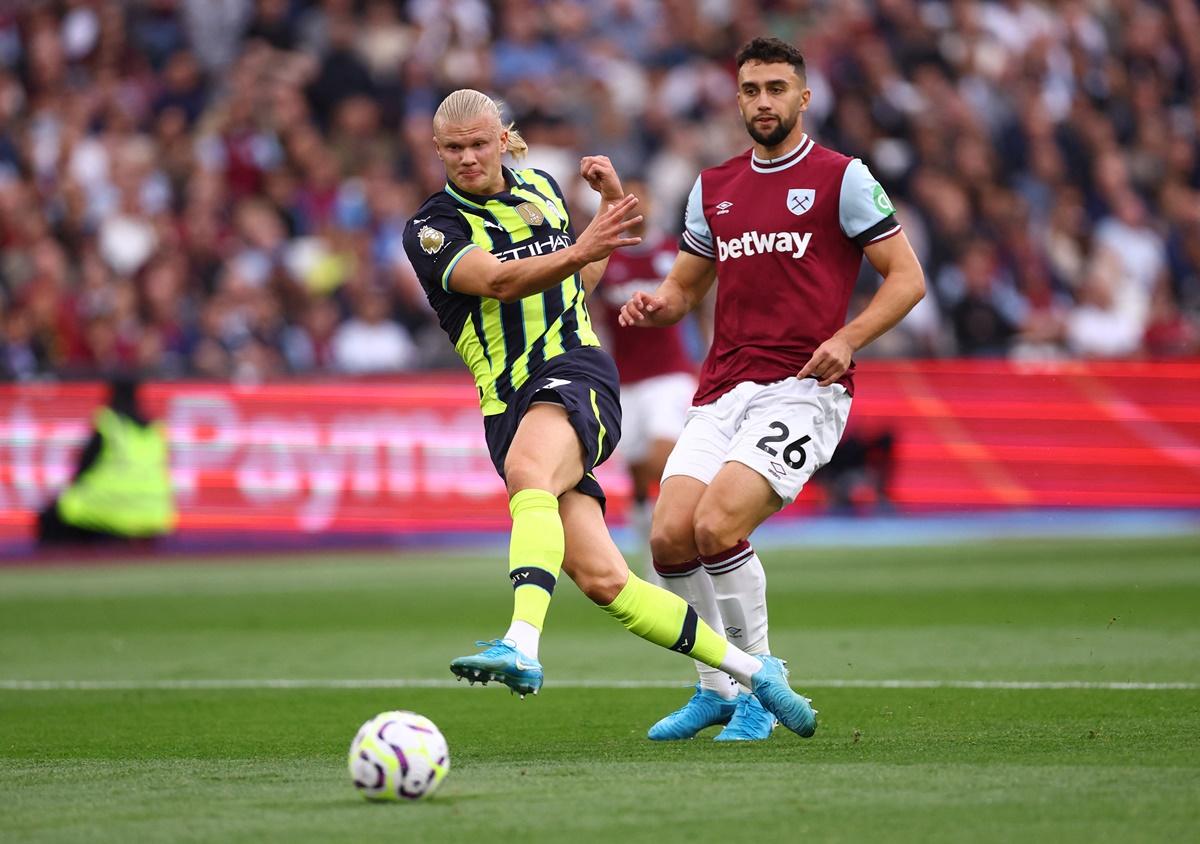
(500, 660)
(705, 709)
(750, 722)
(777, 697)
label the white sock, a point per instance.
(696, 588)
(740, 667)
(525, 637)
(740, 586)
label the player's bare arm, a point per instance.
(903, 286)
(682, 290)
(602, 177)
(480, 273)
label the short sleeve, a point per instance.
(865, 212)
(697, 236)
(435, 241)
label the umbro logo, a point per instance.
(733, 632)
(777, 471)
(723, 208)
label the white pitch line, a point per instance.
(419, 683)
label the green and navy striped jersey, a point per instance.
(503, 344)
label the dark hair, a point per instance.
(123, 394)
(771, 51)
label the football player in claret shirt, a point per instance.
(783, 227)
(499, 260)
(658, 376)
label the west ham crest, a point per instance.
(799, 200)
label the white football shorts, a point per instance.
(654, 409)
(785, 431)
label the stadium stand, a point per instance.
(216, 188)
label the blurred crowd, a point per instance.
(217, 188)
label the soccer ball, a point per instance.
(398, 756)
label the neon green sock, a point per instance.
(666, 620)
(535, 553)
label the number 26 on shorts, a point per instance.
(793, 453)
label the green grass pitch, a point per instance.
(140, 751)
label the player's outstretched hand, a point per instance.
(829, 362)
(599, 172)
(641, 309)
(606, 232)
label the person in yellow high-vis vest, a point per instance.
(122, 486)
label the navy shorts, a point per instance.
(584, 381)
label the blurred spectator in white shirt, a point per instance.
(371, 342)
(1098, 327)
(1136, 248)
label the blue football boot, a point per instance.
(777, 697)
(705, 709)
(500, 660)
(750, 722)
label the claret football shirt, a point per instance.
(787, 235)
